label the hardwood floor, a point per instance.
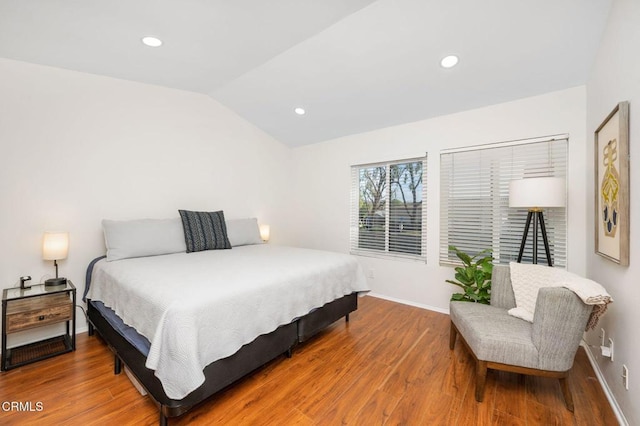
(389, 365)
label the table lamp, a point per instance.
(265, 231)
(55, 246)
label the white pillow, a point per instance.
(242, 232)
(143, 237)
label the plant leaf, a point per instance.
(474, 277)
(455, 283)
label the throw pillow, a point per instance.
(204, 230)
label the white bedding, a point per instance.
(199, 307)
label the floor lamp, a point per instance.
(535, 194)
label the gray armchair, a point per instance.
(499, 341)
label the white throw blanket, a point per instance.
(527, 280)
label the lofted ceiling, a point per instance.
(353, 65)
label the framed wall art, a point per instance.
(612, 186)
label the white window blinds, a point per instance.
(388, 215)
(474, 199)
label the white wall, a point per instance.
(77, 148)
(615, 77)
(322, 175)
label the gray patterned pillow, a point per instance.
(204, 230)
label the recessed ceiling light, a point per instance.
(152, 41)
(449, 61)
(299, 111)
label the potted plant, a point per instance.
(474, 277)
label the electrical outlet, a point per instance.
(611, 348)
(625, 377)
(370, 274)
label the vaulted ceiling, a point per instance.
(353, 65)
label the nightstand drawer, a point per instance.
(30, 313)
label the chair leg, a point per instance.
(452, 336)
(481, 378)
(566, 392)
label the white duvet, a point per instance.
(196, 308)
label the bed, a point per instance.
(189, 324)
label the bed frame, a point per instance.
(222, 373)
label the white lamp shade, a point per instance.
(265, 231)
(55, 245)
(537, 192)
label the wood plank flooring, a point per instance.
(390, 365)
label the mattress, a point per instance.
(130, 334)
(197, 308)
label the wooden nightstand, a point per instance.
(35, 307)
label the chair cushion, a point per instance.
(494, 335)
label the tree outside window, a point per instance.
(390, 208)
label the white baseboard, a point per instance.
(605, 387)
(407, 302)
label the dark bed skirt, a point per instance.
(318, 319)
(224, 372)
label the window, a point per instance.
(474, 199)
(388, 217)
